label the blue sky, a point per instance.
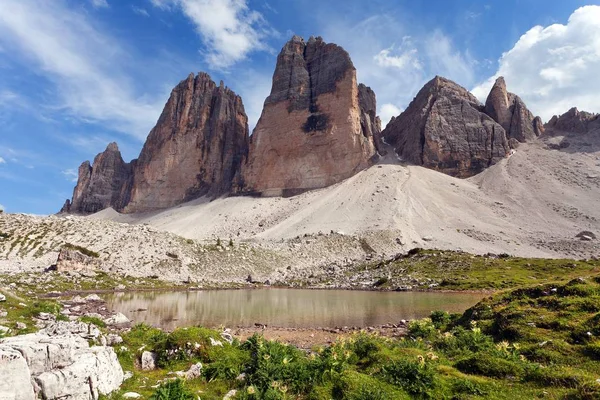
(78, 74)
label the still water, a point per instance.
(283, 307)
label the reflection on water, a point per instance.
(283, 307)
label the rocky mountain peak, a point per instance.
(511, 113)
(102, 184)
(574, 121)
(113, 147)
(317, 127)
(195, 149)
(444, 128)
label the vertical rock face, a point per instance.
(574, 121)
(369, 121)
(444, 128)
(195, 149)
(511, 113)
(317, 126)
(102, 184)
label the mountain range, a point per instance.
(494, 177)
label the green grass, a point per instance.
(463, 271)
(82, 250)
(93, 320)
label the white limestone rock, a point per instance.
(148, 361)
(15, 383)
(60, 363)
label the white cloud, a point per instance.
(2, 160)
(84, 65)
(556, 67)
(400, 59)
(229, 29)
(447, 61)
(140, 11)
(99, 3)
(397, 72)
(387, 111)
(71, 174)
(2, 208)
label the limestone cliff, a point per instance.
(195, 149)
(317, 127)
(444, 128)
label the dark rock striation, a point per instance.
(444, 128)
(318, 126)
(512, 114)
(195, 149)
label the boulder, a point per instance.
(60, 363)
(96, 371)
(15, 382)
(70, 259)
(194, 372)
(445, 129)
(317, 127)
(586, 236)
(113, 339)
(93, 297)
(226, 336)
(2, 297)
(148, 361)
(117, 319)
(77, 328)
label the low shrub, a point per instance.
(460, 340)
(440, 319)
(275, 362)
(93, 320)
(229, 363)
(415, 377)
(423, 328)
(174, 390)
(82, 250)
(185, 344)
(364, 346)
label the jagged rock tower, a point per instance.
(195, 149)
(103, 185)
(511, 112)
(317, 127)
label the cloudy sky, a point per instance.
(78, 74)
